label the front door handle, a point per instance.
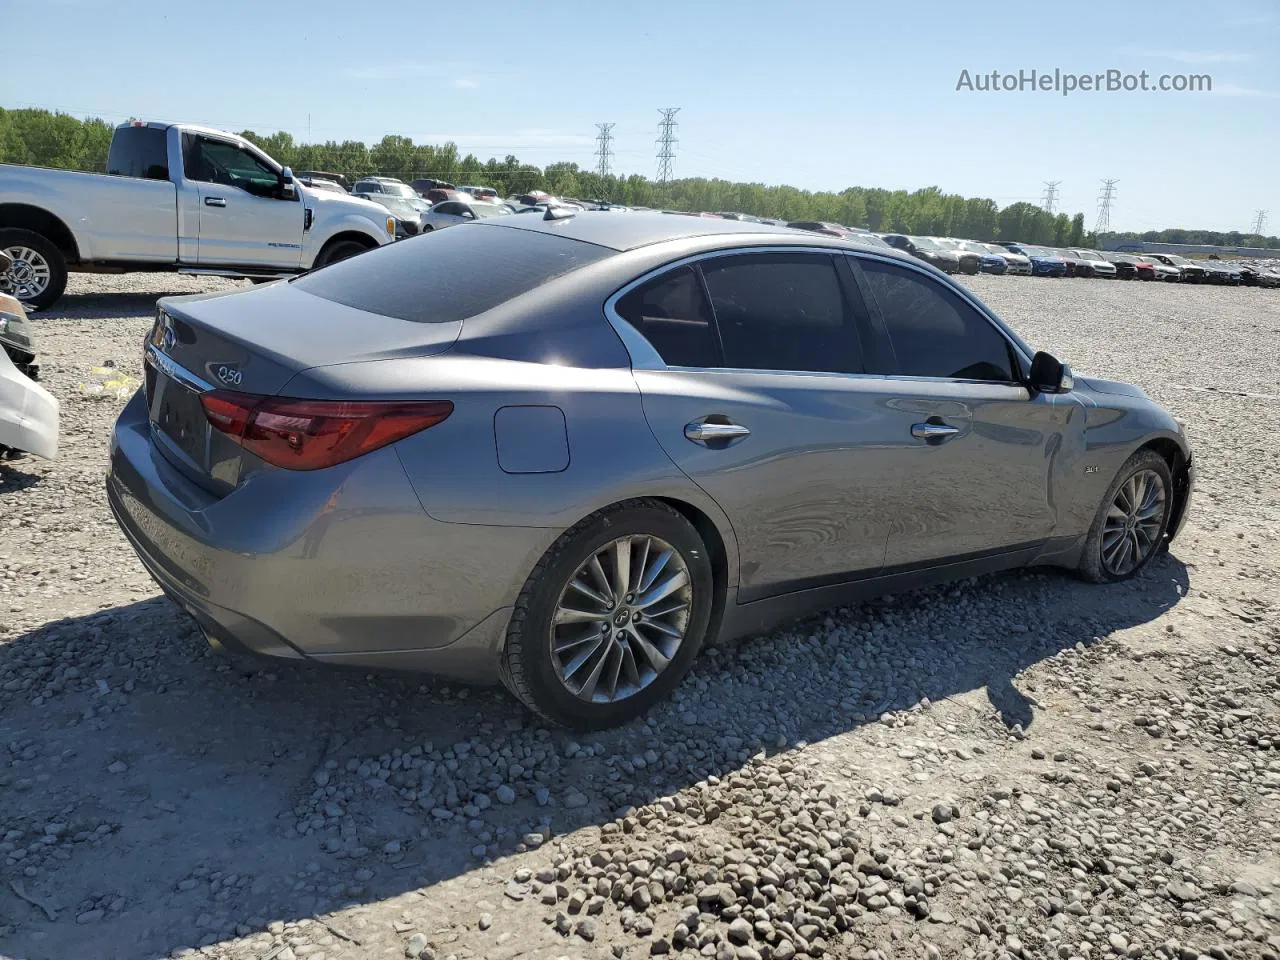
(933, 431)
(703, 432)
(214, 202)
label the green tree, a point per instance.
(1076, 237)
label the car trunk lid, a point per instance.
(255, 342)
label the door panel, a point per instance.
(241, 229)
(986, 487)
(807, 490)
(241, 222)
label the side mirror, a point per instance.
(288, 189)
(1049, 374)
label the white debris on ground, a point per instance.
(1018, 766)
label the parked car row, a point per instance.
(447, 205)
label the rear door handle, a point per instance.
(214, 202)
(702, 432)
(933, 431)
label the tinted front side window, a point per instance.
(139, 152)
(432, 278)
(782, 311)
(934, 332)
(673, 315)
(216, 161)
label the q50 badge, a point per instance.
(226, 373)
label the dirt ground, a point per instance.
(1017, 766)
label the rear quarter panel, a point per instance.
(454, 467)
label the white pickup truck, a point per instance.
(175, 198)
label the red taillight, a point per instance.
(311, 434)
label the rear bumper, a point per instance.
(340, 565)
(28, 412)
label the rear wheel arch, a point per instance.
(23, 216)
(717, 551)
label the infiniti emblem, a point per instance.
(168, 338)
(621, 618)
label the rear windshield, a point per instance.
(139, 152)
(449, 275)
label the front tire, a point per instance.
(611, 618)
(1130, 525)
(39, 273)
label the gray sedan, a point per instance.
(449, 213)
(637, 434)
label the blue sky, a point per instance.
(821, 95)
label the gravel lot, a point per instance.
(1017, 766)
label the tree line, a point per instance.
(42, 138)
(1229, 238)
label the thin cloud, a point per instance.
(1190, 56)
(1232, 90)
(460, 75)
(1251, 20)
(511, 142)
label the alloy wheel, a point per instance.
(29, 276)
(621, 619)
(1131, 531)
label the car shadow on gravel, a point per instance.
(105, 306)
(14, 478)
(159, 796)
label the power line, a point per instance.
(1050, 199)
(1259, 221)
(666, 143)
(603, 151)
(1103, 223)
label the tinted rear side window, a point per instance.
(782, 311)
(449, 275)
(672, 313)
(934, 332)
(139, 152)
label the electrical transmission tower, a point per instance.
(1259, 221)
(603, 151)
(666, 143)
(1050, 200)
(1104, 206)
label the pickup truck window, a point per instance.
(217, 161)
(139, 152)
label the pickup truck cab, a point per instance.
(175, 198)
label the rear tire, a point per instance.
(540, 647)
(1139, 515)
(337, 250)
(39, 274)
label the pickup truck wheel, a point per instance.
(340, 250)
(39, 272)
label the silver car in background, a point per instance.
(638, 433)
(450, 213)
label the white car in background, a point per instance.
(1098, 264)
(449, 213)
(28, 412)
(1018, 264)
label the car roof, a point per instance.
(640, 229)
